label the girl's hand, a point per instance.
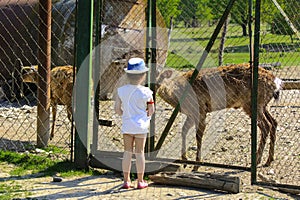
(150, 110)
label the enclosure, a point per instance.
(180, 35)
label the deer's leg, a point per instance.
(264, 127)
(273, 124)
(189, 122)
(199, 135)
(54, 110)
(69, 113)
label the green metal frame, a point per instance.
(151, 60)
(254, 93)
(83, 46)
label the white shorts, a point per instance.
(143, 135)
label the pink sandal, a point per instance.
(142, 185)
(126, 185)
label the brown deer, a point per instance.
(61, 86)
(220, 88)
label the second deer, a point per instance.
(61, 87)
(220, 88)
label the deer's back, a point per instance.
(62, 84)
(230, 87)
(217, 88)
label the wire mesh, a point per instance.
(280, 52)
(19, 30)
(182, 36)
(227, 136)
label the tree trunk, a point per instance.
(244, 27)
(222, 43)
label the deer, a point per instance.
(61, 87)
(221, 88)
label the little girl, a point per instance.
(135, 104)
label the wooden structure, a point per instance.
(222, 182)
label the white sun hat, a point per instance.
(136, 66)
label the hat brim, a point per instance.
(136, 71)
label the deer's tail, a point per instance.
(279, 84)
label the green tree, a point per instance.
(285, 19)
(239, 13)
(194, 11)
(168, 9)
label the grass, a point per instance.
(26, 163)
(187, 46)
(9, 191)
(20, 164)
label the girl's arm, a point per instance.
(118, 106)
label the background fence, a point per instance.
(19, 29)
(183, 30)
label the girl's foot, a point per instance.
(142, 185)
(126, 185)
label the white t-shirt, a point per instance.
(134, 104)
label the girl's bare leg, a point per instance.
(140, 141)
(126, 162)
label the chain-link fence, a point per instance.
(183, 31)
(227, 136)
(19, 31)
(280, 44)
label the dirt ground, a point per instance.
(108, 186)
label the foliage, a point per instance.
(281, 25)
(194, 11)
(168, 8)
(238, 15)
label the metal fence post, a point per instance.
(151, 60)
(96, 70)
(254, 93)
(43, 108)
(84, 23)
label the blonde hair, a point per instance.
(136, 79)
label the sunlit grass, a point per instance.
(188, 44)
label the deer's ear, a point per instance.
(167, 73)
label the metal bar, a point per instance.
(254, 93)
(210, 164)
(291, 85)
(286, 18)
(82, 112)
(44, 55)
(277, 185)
(96, 75)
(74, 72)
(153, 70)
(194, 75)
(250, 20)
(109, 154)
(148, 60)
